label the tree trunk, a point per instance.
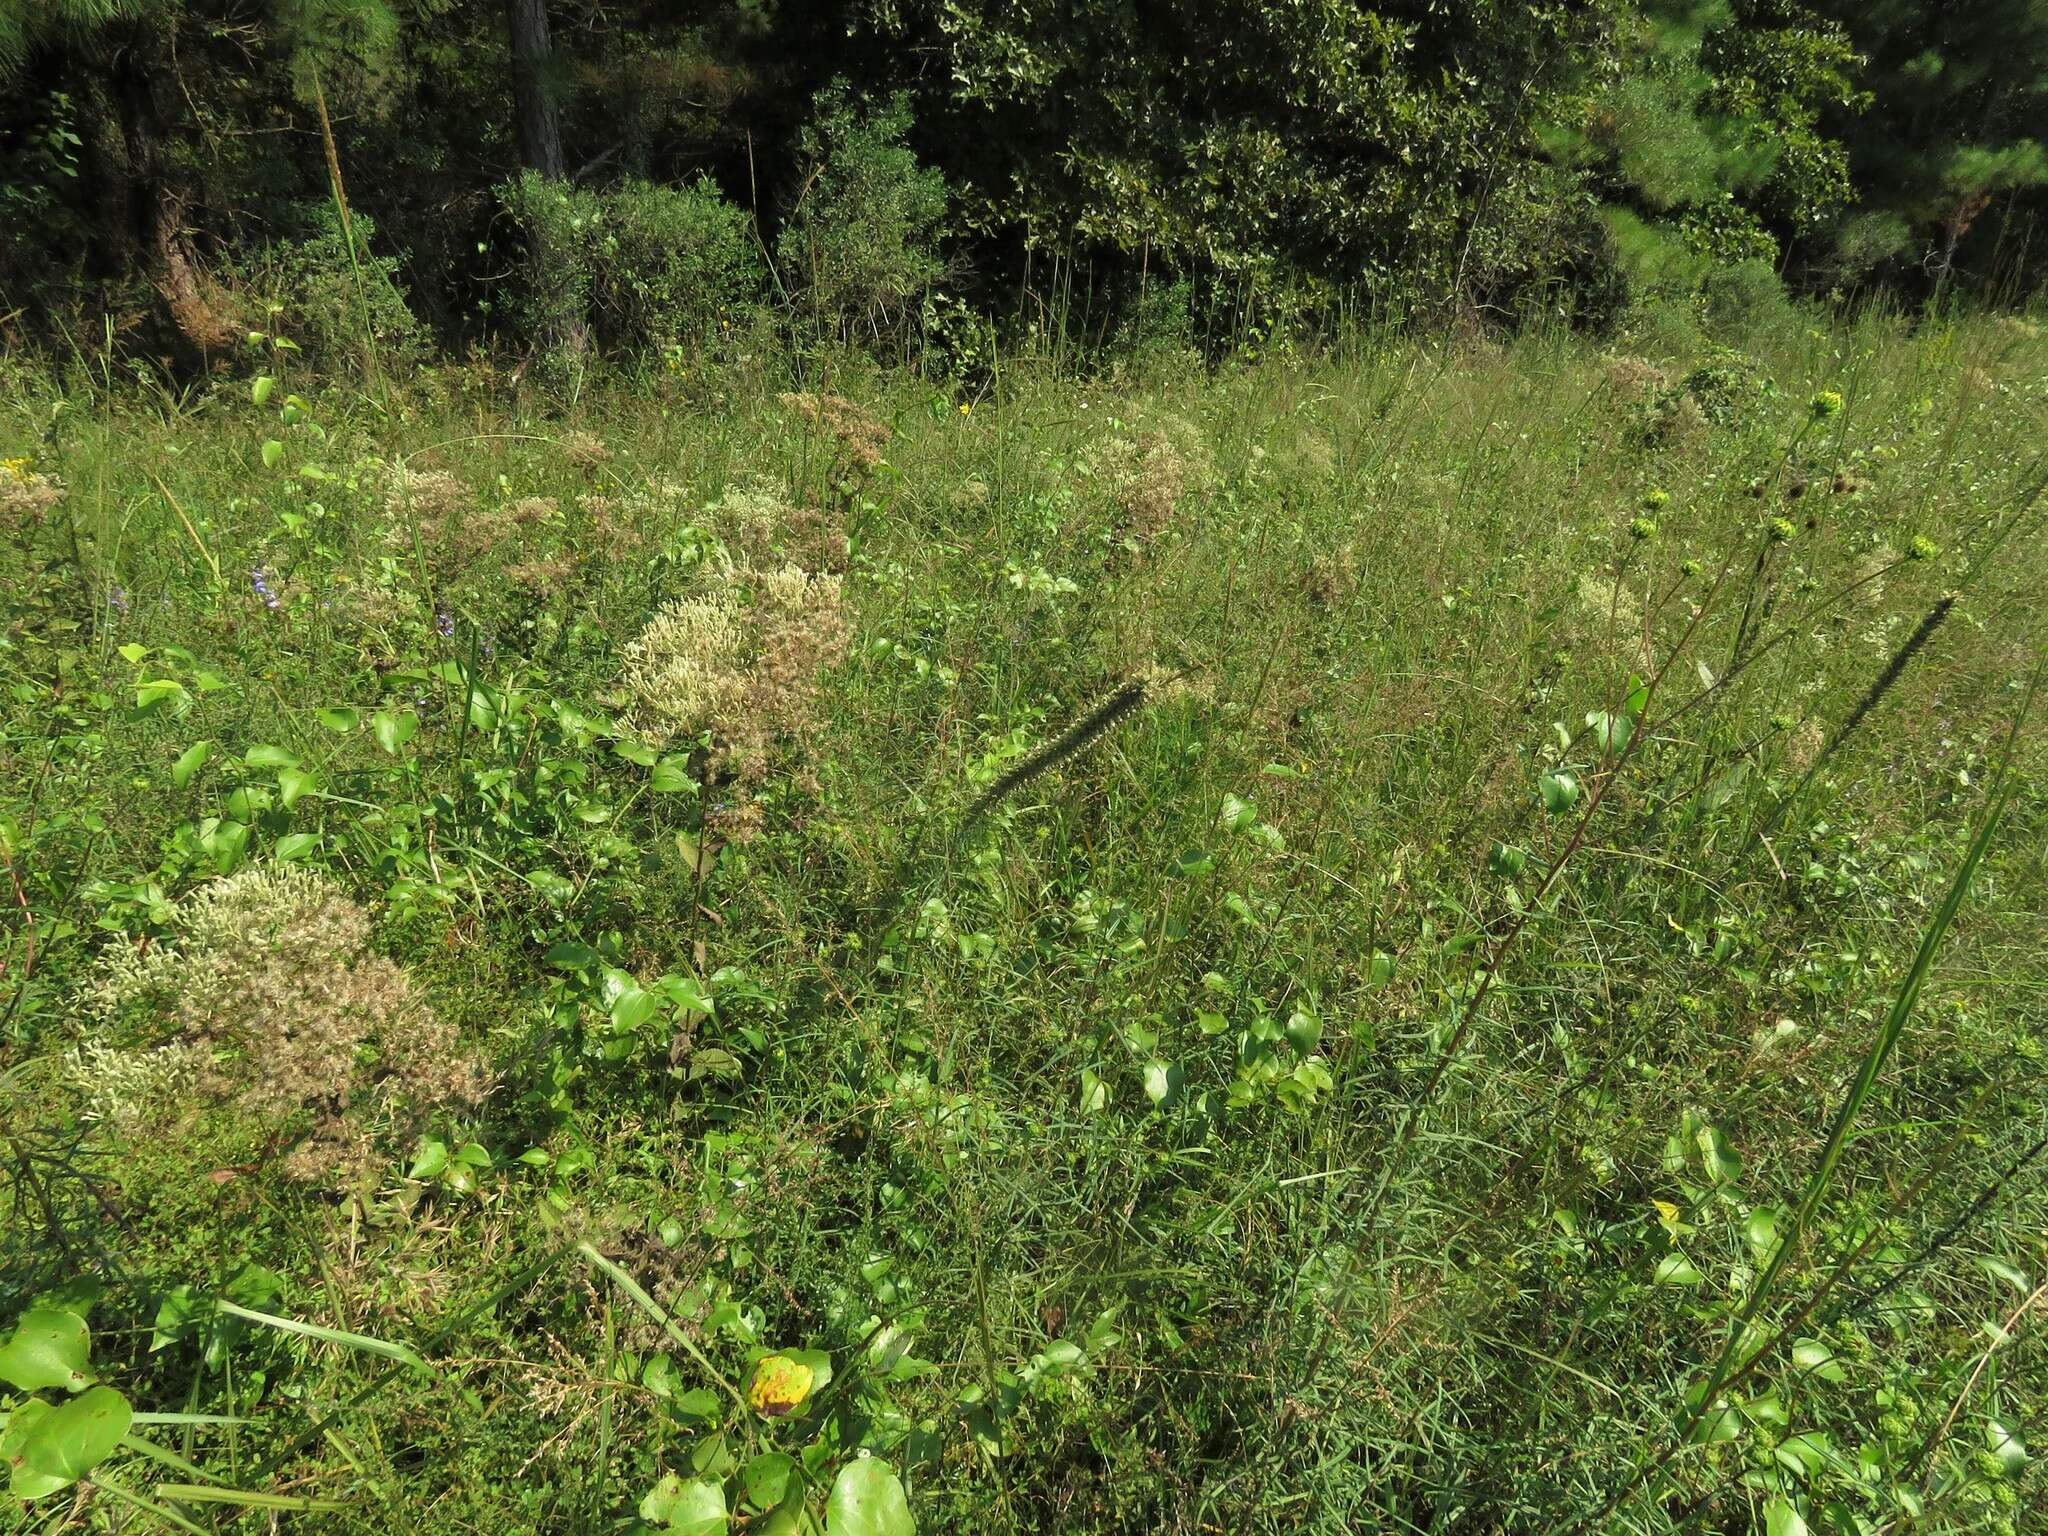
(537, 119)
(535, 113)
(204, 316)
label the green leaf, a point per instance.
(393, 728)
(766, 1478)
(2006, 1448)
(133, 653)
(26, 1483)
(429, 1159)
(1810, 1357)
(76, 1436)
(1304, 1032)
(340, 719)
(572, 957)
(1805, 1454)
(294, 846)
(633, 1006)
(1677, 1269)
(556, 888)
(1560, 790)
(670, 776)
(294, 783)
(1162, 1081)
(867, 1499)
(273, 453)
(177, 1315)
(695, 1508)
(261, 389)
(1781, 1519)
(269, 757)
(189, 762)
(48, 1349)
(1761, 1229)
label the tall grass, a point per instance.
(1369, 941)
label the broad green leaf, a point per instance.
(633, 1006)
(1761, 1229)
(76, 1436)
(393, 728)
(133, 653)
(267, 756)
(1813, 1358)
(340, 719)
(1782, 1519)
(189, 762)
(261, 389)
(695, 1508)
(766, 1478)
(295, 783)
(430, 1158)
(1094, 1092)
(48, 1349)
(867, 1499)
(1162, 1081)
(177, 1315)
(1677, 1269)
(671, 775)
(1805, 1454)
(572, 957)
(1560, 789)
(2006, 1448)
(273, 453)
(294, 846)
(26, 1483)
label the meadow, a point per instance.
(1422, 935)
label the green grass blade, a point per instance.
(356, 1341)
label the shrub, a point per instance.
(1743, 301)
(643, 266)
(863, 236)
(338, 311)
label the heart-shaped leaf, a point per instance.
(48, 1349)
(1560, 791)
(767, 1478)
(76, 1436)
(867, 1500)
(393, 728)
(694, 1508)
(25, 1482)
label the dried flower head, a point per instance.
(269, 979)
(585, 450)
(740, 660)
(1148, 474)
(862, 437)
(24, 493)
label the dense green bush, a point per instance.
(862, 242)
(341, 312)
(641, 266)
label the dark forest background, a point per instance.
(585, 180)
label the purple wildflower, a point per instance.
(444, 623)
(117, 598)
(260, 580)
